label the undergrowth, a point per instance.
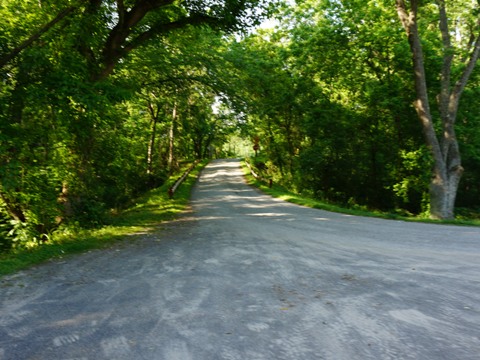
(144, 216)
(282, 193)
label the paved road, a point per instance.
(244, 276)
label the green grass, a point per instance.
(282, 193)
(145, 216)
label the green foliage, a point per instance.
(144, 216)
(95, 112)
(77, 115)
(328, 92)
(329, 96)
(468, 133)
(467, 217)
(414, 181)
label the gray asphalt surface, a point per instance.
(244, 276)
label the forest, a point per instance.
(369, 104)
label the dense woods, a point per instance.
(363, 103)
(369, 103)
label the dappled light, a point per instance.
(221, 194)
(240, 271)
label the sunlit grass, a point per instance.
(144, 216)
(281, 193)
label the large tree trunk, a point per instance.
(443, 191)
(447, 169)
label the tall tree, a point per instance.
(443, 144)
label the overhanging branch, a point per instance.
(4, 60)
(112, 55)
(196, 20)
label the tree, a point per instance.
(443, 143)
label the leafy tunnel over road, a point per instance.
(246, 276)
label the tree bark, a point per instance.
(171, 145)
(444, 148)
(118, 44)
(151, 144)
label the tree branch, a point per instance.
(114, 49)
(4, 60)
(195, 20)
(403, 14)
(121, 12)
(422, 106)
(113, 55)
(460, 85)
(447, 62)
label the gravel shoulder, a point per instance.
(246, 276)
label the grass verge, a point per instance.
(148, 212)
(281, 193)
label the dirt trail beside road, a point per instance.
(245, 276)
